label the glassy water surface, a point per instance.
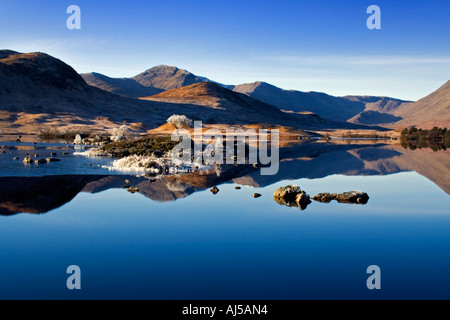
(176, 240)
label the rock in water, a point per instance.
(292, 196)
(354, 197)
(288, 193)
(53, 160)
(41, 161)
(215, 190)
(303, 200)
(257, 195)
(325, 197)
(28, 160)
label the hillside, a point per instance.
(433, 110)
(37, 90)
(229, 107)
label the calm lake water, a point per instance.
(176, 240)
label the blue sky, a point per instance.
(318, 45)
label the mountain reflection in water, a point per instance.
(38, 195)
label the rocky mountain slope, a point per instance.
(432, 110)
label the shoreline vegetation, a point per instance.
(436, 138)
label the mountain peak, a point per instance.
(164, 67)
(166, 77)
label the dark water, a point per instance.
(176, 240)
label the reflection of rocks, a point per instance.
(292, 196)
(133, 190)
(352, 197)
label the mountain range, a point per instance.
(366, 110)
(38, 90)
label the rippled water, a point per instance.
(176, 240)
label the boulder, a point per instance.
(41, 161)
(353, 197)
(215, 190)
(257, 195)
(292, 196)
(288, 193)
(325, 197)
(53, 160)
(28, 160)
(303, 200)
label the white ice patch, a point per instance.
(146, 164)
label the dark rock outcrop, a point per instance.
(352, 197)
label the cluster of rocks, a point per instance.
(29, 160)
(293, 196)
(214, 190)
